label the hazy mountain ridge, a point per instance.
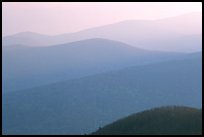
(144, 34)
(82, 105)
(43, 65)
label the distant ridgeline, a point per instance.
(171, 120)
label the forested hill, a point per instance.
(171, 120)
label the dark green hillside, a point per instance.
(159, 121)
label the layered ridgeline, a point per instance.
(82, 105)
(165, 34)
(26, 67)
(159, 121)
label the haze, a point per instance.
(80, 68)
(58, 18)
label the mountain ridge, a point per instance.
(82, 105)
(144, 34)
(43, 65)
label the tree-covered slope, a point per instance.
(159, 121)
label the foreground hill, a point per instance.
(82, 105)
(158, 121)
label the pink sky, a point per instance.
(57, 18)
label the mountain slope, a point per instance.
(26, 67)
(82, 105)
(158, 121)
(146, 34)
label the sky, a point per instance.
(54, 18)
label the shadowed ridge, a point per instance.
(171, 120)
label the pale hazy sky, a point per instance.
(65, 17)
